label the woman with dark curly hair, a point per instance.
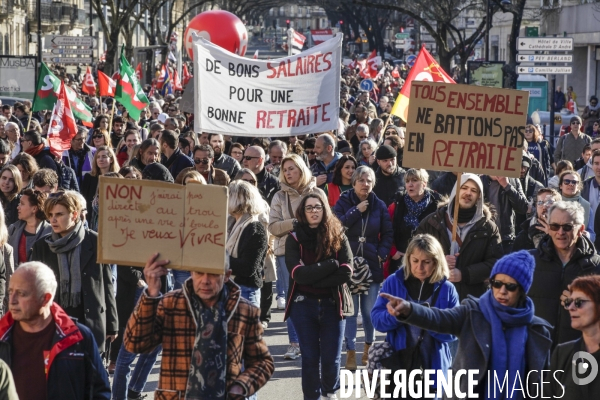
(342, 178)
(318, 257)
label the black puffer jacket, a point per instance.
(478, 254)
(512, 200)
(550, 278)
(386, 186)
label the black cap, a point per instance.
(343, 146)
(385, 152)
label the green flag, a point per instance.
(81, 111)
(46, 92)
(129, 91)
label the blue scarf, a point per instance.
(509, 339)
(414, 209)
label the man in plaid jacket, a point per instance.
(195, 325)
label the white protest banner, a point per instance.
(17, 76)
(285, 97)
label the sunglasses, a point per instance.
(570, 181)
(511, 287)
(97, 136)
(576, 123)
(172, 109)
(310, 153)
(528, 130)
(58, 194)
(545, 202)
(578, 302)
(248, 158)
(565, 227)
(203, 161)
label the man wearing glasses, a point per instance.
(536, 227)
(203, 161)
(561, 256)
(173, 111)
(570, 146)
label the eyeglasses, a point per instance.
(511, 287)
(248, 158)
(312, 209)
(97, 136)
(578, 302)
(545, 202)
(565, 227)
(250, 181)
(310, 153)
(203, 161)
(570, 181)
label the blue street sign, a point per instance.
(410, 60)
(366, 84)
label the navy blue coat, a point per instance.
(178, 162)
(379, 233)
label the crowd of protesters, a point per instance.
(330, 227)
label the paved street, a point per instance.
(286, 381)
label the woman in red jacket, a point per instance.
(342, 179)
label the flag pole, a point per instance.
(112, 113)
(387, 122)
(29, 121)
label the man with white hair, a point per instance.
(50, 355)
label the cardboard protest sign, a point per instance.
(185, 224)
(249, 97)
(465, 128)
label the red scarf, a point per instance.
(35, 150)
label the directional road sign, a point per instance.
(402, 35)
(52, 41)
(545, 44)
(545, 70)
(366, 84)
(556, 58)
(69, 60)
(400, 41)
(72, 51)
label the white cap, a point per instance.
(162, 117)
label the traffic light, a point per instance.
(287, 21)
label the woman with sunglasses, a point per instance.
(100, 138)
(570, 146)
(570, 185)
(309, 151)
(422, 278)
(560, 257)
(100, 122)
(319, 259)
(498, 333)
(583, 304)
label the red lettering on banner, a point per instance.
(294, 117)
(303, 65)
(477, 154)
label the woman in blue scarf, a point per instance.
(499, 335)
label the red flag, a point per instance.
(176, 81)
(395, 73)
(62, 124)
(138, 72)
(160, 81)
(424, 69)
(88, 86)
(353, 64)
(185, 75)
(106, 85)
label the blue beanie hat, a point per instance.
(519, 266)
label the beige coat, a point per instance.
(280, 218)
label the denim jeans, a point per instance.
(121, 379)
(179, 277)
(251, 294)
(320, 331)
(283, 280)
(366, 302)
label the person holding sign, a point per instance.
(477, 246)
(86, 290)
(200, 361)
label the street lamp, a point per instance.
(488, 25)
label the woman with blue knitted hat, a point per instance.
(499, 335)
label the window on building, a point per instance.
(6, 44)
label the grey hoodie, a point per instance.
(462, 231)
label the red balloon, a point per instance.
(220, 27)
